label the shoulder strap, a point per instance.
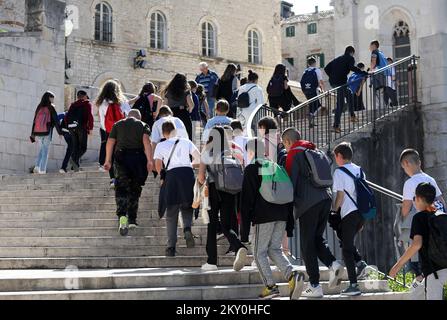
(251, 88)
(172, 152)
(349, 173)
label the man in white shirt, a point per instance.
(256, 98)
(166, 114)
(351, 219)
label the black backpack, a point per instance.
(75, 117)
(320, 171)
(243, 101)
(309, 81)
(275, 87)
(437, 246)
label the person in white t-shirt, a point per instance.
(165, 114)
(176, 194)
(410, 161)
(311, 91)
(351, 219)
(256, 98)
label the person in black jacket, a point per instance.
(271, 222)
(338, 71)
(45, 119)
(312, 208)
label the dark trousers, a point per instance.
(102, 152)
(172, 212)
(184, 115)
(131, 174)
(314, 106)
(343, 93)
(313, 245)
(390, 95)
(68, 140)
(224, 204)
(79, 138)
(350, 225)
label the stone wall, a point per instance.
(12, 15)
(94, 62)
(31, 63)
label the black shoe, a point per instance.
(352, 291)
(190, 242)
(170, 252)
(133, 224)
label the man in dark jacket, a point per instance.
(312, 207)
(79, 121)
(130, 143)
(338, 71)
(271, 221)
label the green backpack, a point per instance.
(276, 186)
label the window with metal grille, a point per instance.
(254, 48)
(103, 22)
(291, 61)
(208, 40)
(158, 31)
(290, 31)
(312, 28)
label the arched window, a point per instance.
(158, 31)
(208, 40)
(254, 47)
(103, 22)
(401, 35)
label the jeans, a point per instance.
(68, 140)
(313, 245)
(268, 241)
(42, 157)
(224, 204)
(349, 227)
(172, 212)
(211, 103)
(343, 93)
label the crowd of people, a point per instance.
(250, 191)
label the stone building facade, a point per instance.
(307, 35)
(171, 32)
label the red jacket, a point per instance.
(293, 151)
(87, 120)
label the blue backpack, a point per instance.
(366, 201)
(309, 81)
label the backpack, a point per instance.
(243, 101)
(309, 81)
(382, 63)
(275, 87)
(42, 121)
(366, 201)
(113, 115)
(276, 186)
(74, 117)
(437, 245)
(228, 175)
(320, 171)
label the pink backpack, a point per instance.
(42, 122)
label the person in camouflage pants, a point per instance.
(129, 142)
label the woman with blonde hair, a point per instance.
(112, 107)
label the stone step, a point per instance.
(83, 206)
(65, 193)
(218, 292)
(96, 262)
(67, 187)
(46, 280)
(91, 232)
(122, 250)
(53, 215)
(81, 223)
(69, 199)
(92, 242)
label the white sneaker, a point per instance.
(313, 292)
(220, 237)
(335, 274)
(209, 267)
(36, 170)
(62, 171)
(101, 169)
(42, 172)
(241, 257)
(254, 264)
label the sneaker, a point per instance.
(112, 184)
(335, 273)
(190, 242)
(313, 292)
(36, 170)
(336, 130)
(230, 253)
(42, 172)
(362, 270)
(209, 267)
(354, 119)
(101, 169)
(269, 293)
(296, 284)
(133, 224)
(123, 226)
(63, 171)
(241, 257)
(352, 290)
(220, 236)
(170, 252)
(254, 264)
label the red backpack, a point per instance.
(113, 115)
(42, 121)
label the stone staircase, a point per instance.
(59, 240)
